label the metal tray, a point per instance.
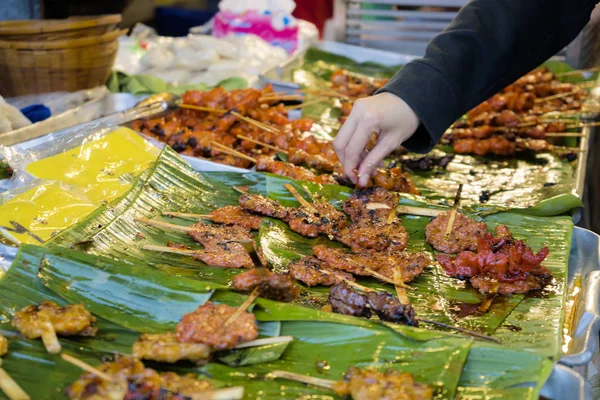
(566, 384)
(584, 261)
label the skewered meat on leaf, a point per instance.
(309, 270)
(279, 287)
(71, 320)
(388, 308)
(263, 206)
(236, 215)
(368, 384)
(347, 301)
(134, 381)
(164, 347)
(464, 235)
(207, 325)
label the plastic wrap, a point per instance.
(34, 212)
(100, 162)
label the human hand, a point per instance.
(386, 115)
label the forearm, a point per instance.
(488, 45)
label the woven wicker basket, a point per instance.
(58, 29)
(60, 65)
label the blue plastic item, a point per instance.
(176, 21)
(36, 112)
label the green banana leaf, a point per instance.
(537, 184)
(27, 360)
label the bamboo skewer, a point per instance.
(311, 380)
(256, 123)
(564, 134)
(86, 367)
(172, 250)
(299, 198)
(556, 96)
(578, 71)
(242, 190)
(11, 389)
(186, 215)
(242, 308)
(166, 225)
(268, 146)
(200, 108)
(265, 341)
(452, 217)
(350, 283)
(266, 98)
(411, 210)
(227, 150)
(231, 393)
(49, 338)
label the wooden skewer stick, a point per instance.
(49, 338)
(200, 108)
(268, 146)
(231, 393)
(350, 283)
(227, 150)
(556, 96)
(462, 330)
(86, 367)
(453, 212)
(280, 97)
(186, 215)
(299, 198)
(173, 250)
(311, 380)
(564, 134)
(166, 225)
(242, 190)
(420, 211)
(242, 308)
(578, 71)
(399, 289)
(265, 341)
(11, 389)
(256, 123)
(307, 103)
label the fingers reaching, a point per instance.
(374, 158)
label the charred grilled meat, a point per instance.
(236, 215)
(279, 287)
(71, 320)
(347, 301)
(410, 265)
(464, 235)
(263, 206)
(309, 270)
(207, 325)
(225, 255)
(369, 384)
(164, 347)
(135, 381)
(356, 205)
(210, 235)
(322, 219)
(501, 265)
(374, 237)
(388, 308)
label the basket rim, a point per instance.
(25, 27)
(64, 43)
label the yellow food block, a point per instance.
(35, 215)
(102, 168)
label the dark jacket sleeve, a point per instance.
(487, 46)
